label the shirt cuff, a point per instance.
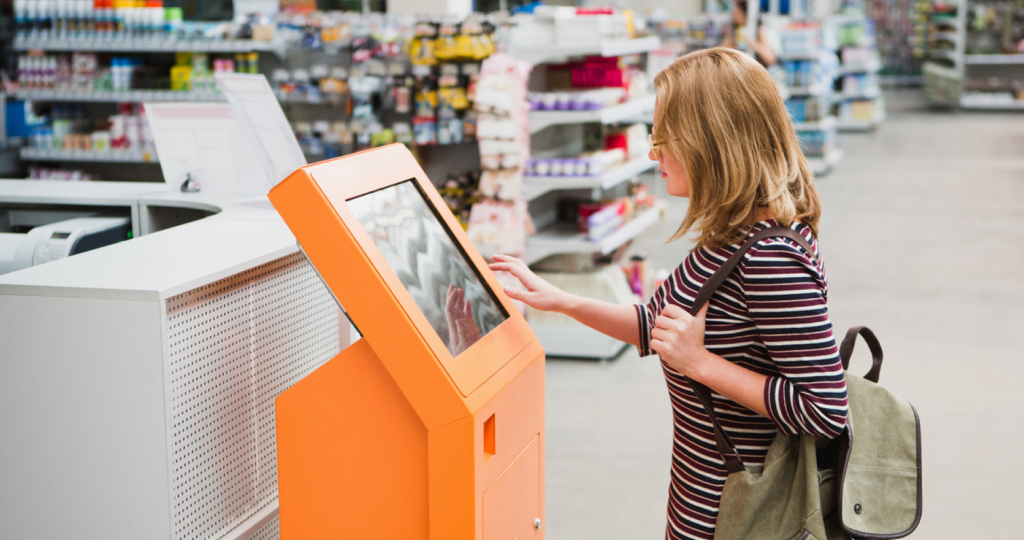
(775, 404)
(644, 348)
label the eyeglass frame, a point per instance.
(655, 144)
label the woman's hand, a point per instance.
(462, 330)
(678, 338)
(539, 294)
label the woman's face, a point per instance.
(677, 181)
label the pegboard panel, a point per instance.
(270, 531)
(231, 347)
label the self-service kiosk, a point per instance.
(431, 425)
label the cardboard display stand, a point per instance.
(431, 425)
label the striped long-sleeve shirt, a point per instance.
(770, 316)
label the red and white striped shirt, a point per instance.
(770, 316)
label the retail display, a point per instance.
(902, 34)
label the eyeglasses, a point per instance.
(655, 144)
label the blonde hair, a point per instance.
(721, 116)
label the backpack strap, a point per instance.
(727, 449)
(846, 350)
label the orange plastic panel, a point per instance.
(352, 454)
(512, 505)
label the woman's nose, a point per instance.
(652, 155)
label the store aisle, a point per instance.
(923, 237)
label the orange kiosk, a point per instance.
(431, 425)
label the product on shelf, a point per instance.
(38, 173)
(808, 109)
(67, 128)
(563, 26)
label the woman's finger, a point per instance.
(660, 334)
(664, 322)
(673, 311)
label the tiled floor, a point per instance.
(923, 236)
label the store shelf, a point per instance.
(535, 186)
(614, 47)
(824, 124)
(147, 45)
(945, 55)
(946, 36)
(813, 90)
(861, 125)
(575, 341)
(322, 99)
(823, 164)
(800, 56)
(116, 97)
(870, 93)
(105, 156)
(989, 102)
(994, 59)
(564, 238)
(874, 66)
(608, 115)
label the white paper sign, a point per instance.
(206, 141)
(264, 124)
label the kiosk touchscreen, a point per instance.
(431, 425)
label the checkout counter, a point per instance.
(138, 381)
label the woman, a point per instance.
(764, 343)
(763, 46)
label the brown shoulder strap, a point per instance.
(733, 462)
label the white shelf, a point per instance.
(608, 115)
(535, 186)
(800, 56)
(859, 67)
(825, 124)
(608, 48)
(984, 102)
(862, 125)
(135, 96)
(106, 156)
(575, 341)
(948, 55)
(870, 93)
(322, 99)
(813, 90)
(823, 164)
(146, 45)
(994, 59)
(947, 36)
(564, 238)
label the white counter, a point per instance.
(137, 380)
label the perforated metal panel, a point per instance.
(270, 531)
(231, 348)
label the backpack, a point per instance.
(866, 483)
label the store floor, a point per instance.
(923, 237)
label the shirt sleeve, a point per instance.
(645, 314)
(785, 294)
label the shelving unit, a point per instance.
(853, 120)
(98, 156)
(535, 186)
(554, 238)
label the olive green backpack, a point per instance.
(866, 483)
